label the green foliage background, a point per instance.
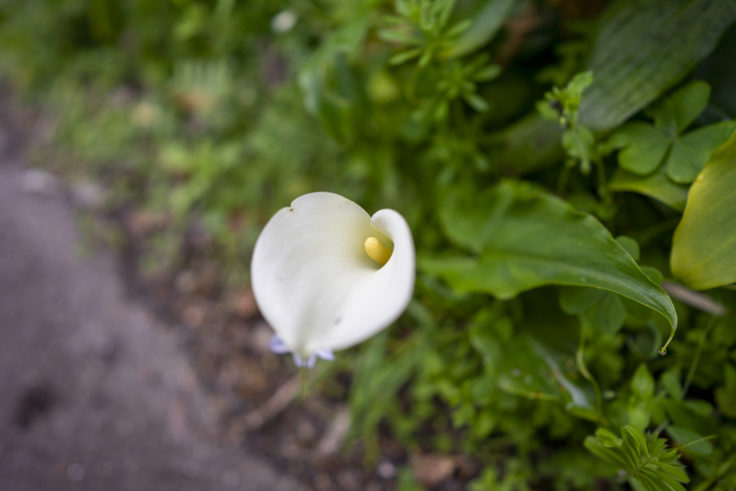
(543, 203)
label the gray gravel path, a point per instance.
(95, 394)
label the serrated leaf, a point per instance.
(644, 47)
(670, 482)
(646, 459)
(522, 237)
(674, 471)
(635, 441)
(704, 245)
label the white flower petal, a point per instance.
(314, 282)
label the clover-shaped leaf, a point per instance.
(644, 147)
(690, 152)
(675, 113)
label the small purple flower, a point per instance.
(277, 345)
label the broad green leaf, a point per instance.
(535, 360)
(656, 185)
(522, 237)
(643, 147)
(691, 151)
(704, 245)
(548, 341)
(644, 47)
(630, 245)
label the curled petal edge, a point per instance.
(314, 283)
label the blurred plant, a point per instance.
(423, 25)
(647, 461)
(538, 317)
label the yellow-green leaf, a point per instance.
(704, 245)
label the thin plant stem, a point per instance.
(580, 361)
(603, 191)
(564, 177)
(698, 353)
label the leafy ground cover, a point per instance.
(567, 170)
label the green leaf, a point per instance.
(656, 185)
(530, 143)
(522, 237)
(726, 395)
(678, 111)
(642, 383)
(485, 24)
(328, 85)
(607, 438)
(577, 299)
(630, 245)
(579, 143)
(476, 102)
(704, 245)
(536, 362)
(690, 152)
(647, 461)
(644, 147)
(670, 381)
(635, 440)
(690, 439)
(606, 316)
(644, 47)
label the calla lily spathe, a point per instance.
(326, 275)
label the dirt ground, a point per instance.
(96, 392)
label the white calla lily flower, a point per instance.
(326, 275)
